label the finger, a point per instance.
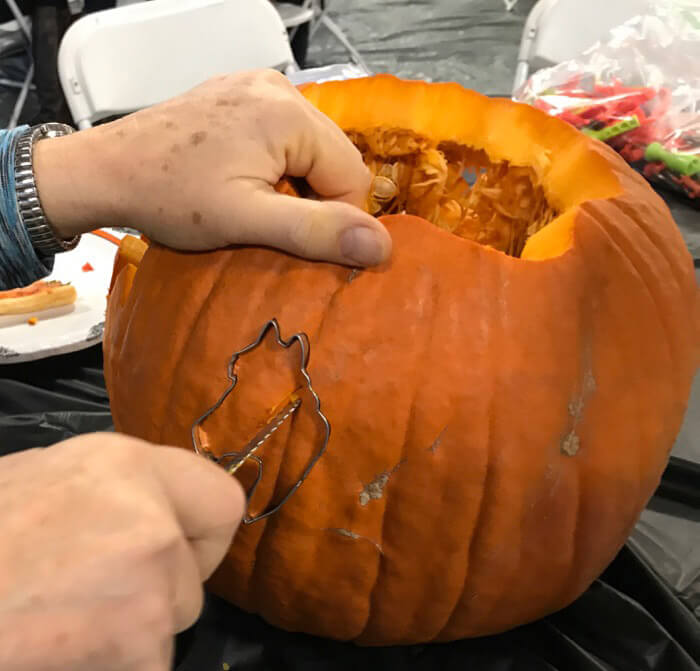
(85, 635)
(163, 660)
(318, 230)
(188, 579)
(331, 164)
(207, 502)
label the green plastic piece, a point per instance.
(683, 164)
(614, 130)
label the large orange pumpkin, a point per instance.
(503, 394)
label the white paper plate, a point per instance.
(69, 328)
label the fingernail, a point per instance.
(362, 245)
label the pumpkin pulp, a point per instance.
(456, 188)
(532, 178)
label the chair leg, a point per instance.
(339, 35)
(522, 71)
(51, 19)
(12, 84)
(19, 17)
(21, 98)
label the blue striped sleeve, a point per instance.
(20, 265)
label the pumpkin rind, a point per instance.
(498, 423)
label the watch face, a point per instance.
(52, 130)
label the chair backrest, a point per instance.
(124, 59)
(294, 16)
(559, 30)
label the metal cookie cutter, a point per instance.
(232, 461)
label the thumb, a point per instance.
(314, 229)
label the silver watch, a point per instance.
(31, 213)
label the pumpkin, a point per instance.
(503, 393)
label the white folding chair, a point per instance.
(316, 13)
(133, 56)
(294, 16)
(559, 30)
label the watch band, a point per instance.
(31, 213)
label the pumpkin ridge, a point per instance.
(475, 534)
(419, 607)
(263, 540)
(586, 384)
(342, 286)
(404, 457)
(485, 496)
(437, 631)
(498, 332)
(577, 531)
(674, 271)
(110, 333)
(658, 243)
(678, 341)
(589, 252)
(626, 252)
(129, 307)
(174, 386)
(270, 524)
(628, 256)
(380, 541)
(574, 550)
(660, 239)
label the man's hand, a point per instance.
(199, 171)
(106, 541)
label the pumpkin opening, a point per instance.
(455, 187)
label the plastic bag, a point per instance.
(327, 73)
(639, 91)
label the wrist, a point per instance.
(75, 183)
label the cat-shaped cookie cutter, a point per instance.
(232, 461)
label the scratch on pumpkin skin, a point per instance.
(436, 443)
(357, 537)
(353, 274)
(571, 443)
(375, 489)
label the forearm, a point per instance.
(76, 188)
(78, 183)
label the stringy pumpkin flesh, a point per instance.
(501, 207)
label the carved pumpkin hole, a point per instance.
(457, 188)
